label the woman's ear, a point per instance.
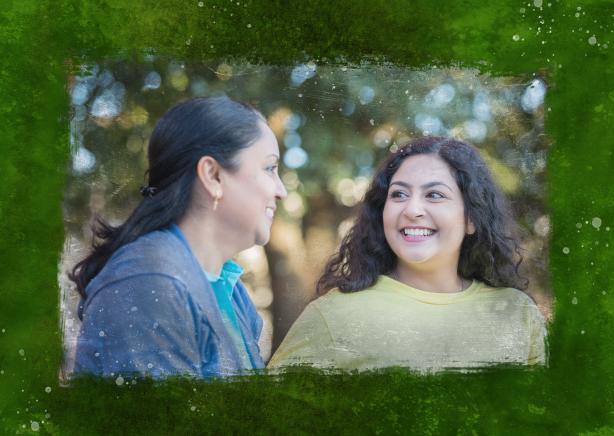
(208, 171)
(470, 227)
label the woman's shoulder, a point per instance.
(508, 293)
(158, 252)
(334, 297)
(338, 305)
(511, 298)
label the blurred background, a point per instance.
(333, 124)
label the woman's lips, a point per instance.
(417, 234)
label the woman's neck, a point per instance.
(206, 239)
(431, 281)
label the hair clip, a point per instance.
(148, 191)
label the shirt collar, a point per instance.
(231, 271)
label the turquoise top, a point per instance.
(223, 286)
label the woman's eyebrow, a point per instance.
(425, 186)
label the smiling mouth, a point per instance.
(270, 212)
(416, 234)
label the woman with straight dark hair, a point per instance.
(427, 277)
(160, 295)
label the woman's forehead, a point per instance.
(423, 168)
(263, 147)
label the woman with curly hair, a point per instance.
(427, 277)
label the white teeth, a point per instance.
(417, 232)
(269, 212)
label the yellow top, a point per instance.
(392, 324)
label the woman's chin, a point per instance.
(414, 260)
(263, 238)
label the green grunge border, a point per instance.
(569, 43)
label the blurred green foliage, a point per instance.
(333, 124)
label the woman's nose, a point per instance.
(280, 192)
(414, 208)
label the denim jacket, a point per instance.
(151, 311)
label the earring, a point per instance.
(216, 199)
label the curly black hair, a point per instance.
(490, 255)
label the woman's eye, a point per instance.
(435, 195)
(272, 169)
(398, 195)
